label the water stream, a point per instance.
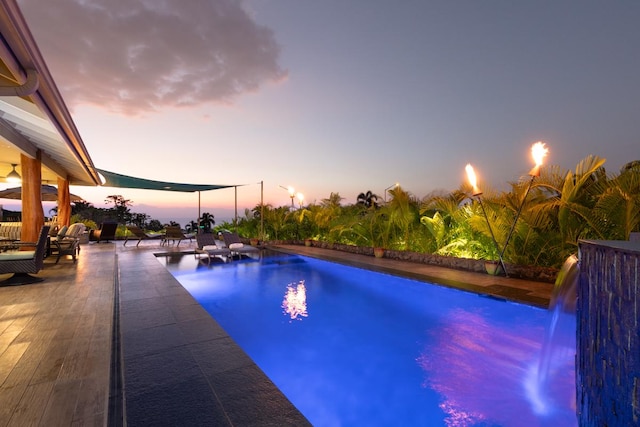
(559, 345)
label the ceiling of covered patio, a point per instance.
(34, 120)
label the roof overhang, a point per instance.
(34, 119)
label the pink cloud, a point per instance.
(137, 56)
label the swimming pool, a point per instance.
(350, 347)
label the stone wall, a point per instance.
(540, 274)
(608, 340)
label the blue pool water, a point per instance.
(351, 347)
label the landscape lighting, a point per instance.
(292, 193)
(471, 175)
(389, 188)
(538, 152)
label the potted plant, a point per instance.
(381, 230)
(493, 267)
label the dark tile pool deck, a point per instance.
(178, 366)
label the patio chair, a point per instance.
(106, 233)
(208, 247)
(21, 263)
(69, 244)
(137, 233)
(233, 242)
(174, 233)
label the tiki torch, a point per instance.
(471, 175)
(538, 152)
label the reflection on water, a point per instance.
(172, 258)
(482, 373)
(295, 301)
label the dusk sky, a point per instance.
(339, 96)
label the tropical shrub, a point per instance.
(537, 222)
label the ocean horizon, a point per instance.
(184, 221)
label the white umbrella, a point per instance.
(49, 193)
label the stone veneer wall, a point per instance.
(540, 274)
(608, 341)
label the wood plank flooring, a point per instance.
(55, 343)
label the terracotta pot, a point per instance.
(307, 242)
(378, 252)
(493, 268)
(254, 242)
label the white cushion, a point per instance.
(207, 247)
(75, 229)
(235, 246)
(16, 255)
(62, 231)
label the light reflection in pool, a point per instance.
(461, 365)
(295, 301)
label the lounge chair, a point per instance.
(174, 233)
(106, 232)
(208, 247)
(68, 243)
(21, 263)
(137, 233)
(233, 242)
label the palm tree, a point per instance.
(455, 228)
(275, 220)
(207, 221)
(368, 200)
(572, 198)
(618, 206)
(328, 212)
(403, 214)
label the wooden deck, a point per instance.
(55, 343)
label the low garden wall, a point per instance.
(540, 274)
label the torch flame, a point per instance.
(538, 152)
(471, 175)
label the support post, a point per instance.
(64, 203)
(32, 212)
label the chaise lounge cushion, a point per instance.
(16, 255)
(21, 263)
(62, 231)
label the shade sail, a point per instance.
(112, 179)
(48, 193)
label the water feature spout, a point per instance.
(559, 345)
(564, 293)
